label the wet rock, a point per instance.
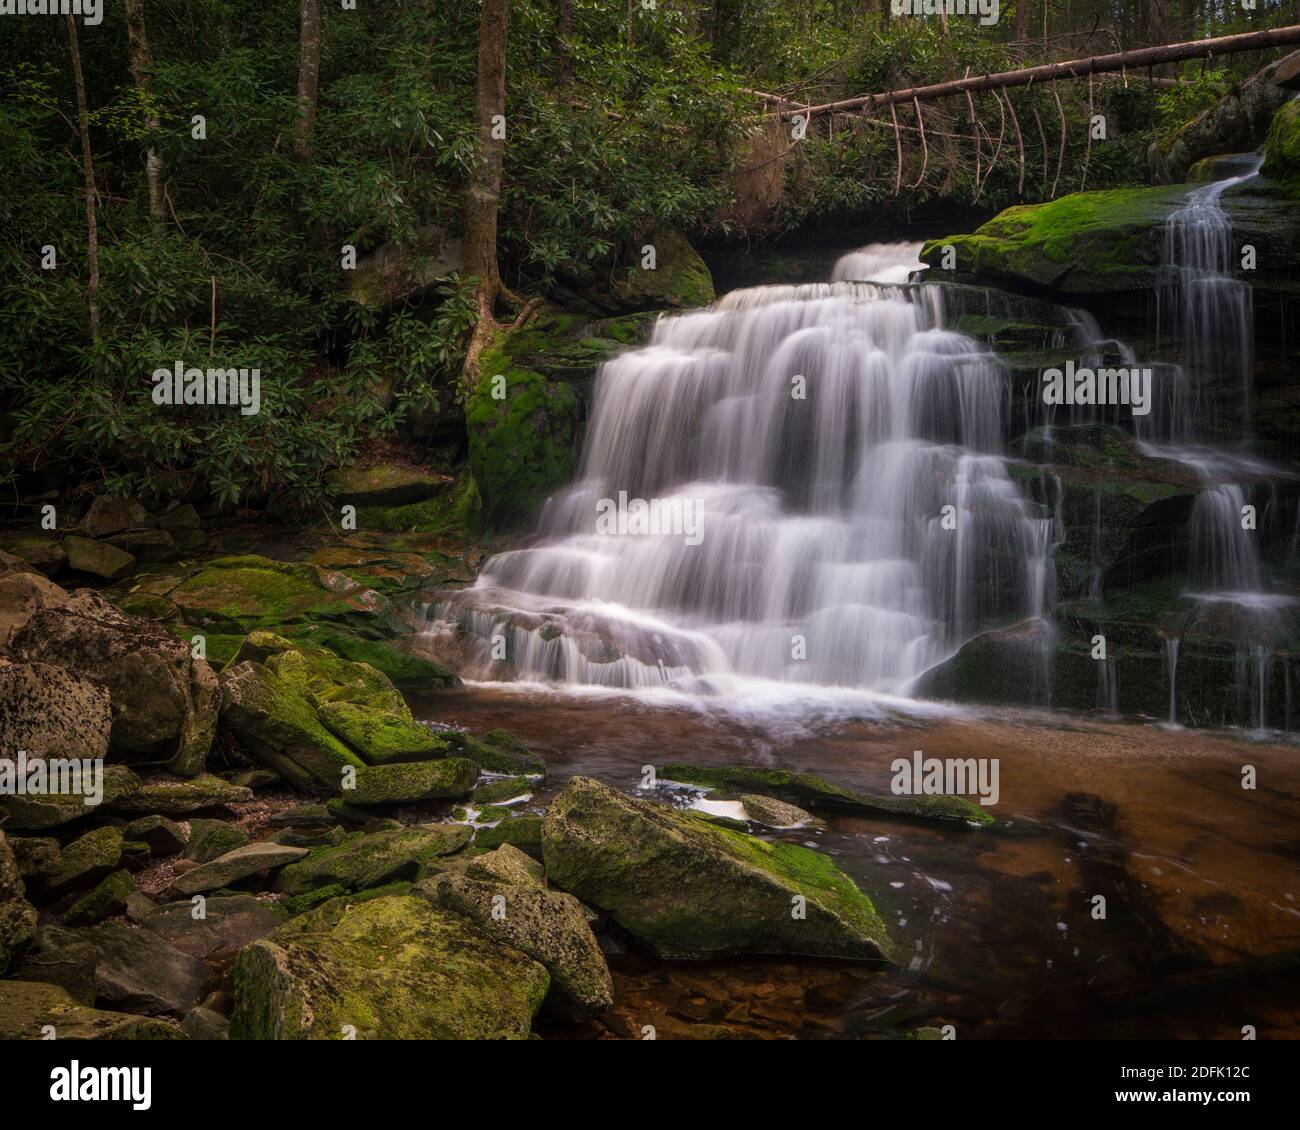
(28, 1009)
(164, 701)
(253, 859)
(412, 782)
(136, 971)
(49, 711)
(776, 813)
(17, 915)
(176, 796)
(21, 594)
(212, 838)
(439, 977)
(164, 836)
(548, 926)
(688, 889)
(507, 864)
(496, 752)
(97, 558)
(381, 736)
(372, 859)
(523, 832)
(111, 515)
(228, 924)
(505, 788)
(817, 792)
(37, 857)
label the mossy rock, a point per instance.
(17, 915)
(249, 592)
(372, 859)
(412, 782)
(506, 788)
(174, 796)
(107, 898)
(1083, 243)
(680, 279)
(278, 727)
(1282, 148)
(87, 860)
(28, 1008)
(36, 813)
(379, 736)
(384, 484)
(817, 792)
(389, 968)
(523, 832)
(212, 838)
(406, 672)
(688, 889)
(497, 751)
(42, 553)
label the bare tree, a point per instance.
(141, 75)
(563, 52)
(88, 172)
(308, 76)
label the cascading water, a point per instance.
(840, 452)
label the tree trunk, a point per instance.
(88, 172)
(308, 76)
(1075, 68)
(1021, 32)
(141, 75)
(479, 258)
(563, 52)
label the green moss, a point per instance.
(365, 860)
(413, 781)
(680, 278)
(505, 789)
(251, 592)
(381, 737)
(1086, 242)
(1282, 148)
(523, 832)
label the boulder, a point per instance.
(164, 836)
(372, 859)
(229, 923)
(183, 517)
(212, 838)
(50, 711)
(17, 915)
(146, 546)
(205, 1024)
(689, 889)
(389, 968)
(1282, 148)
(252, 859)
(549, 926)
(776, 813)
(21, 594)
(40, 552)
(395, 272)
(37, 857)
(498, 751)
(61, 957)
(412, 782)
(87, 860)
(523, 832)
(28, 1009)
(502, 789)
(35, 813)
(137, 971)
(507, 864)
(381, 736)
(164, 701)
(680, 279)
(110, 897)
(179, 796)
(111, 515)
(384, 484)
(97, 558)
(278, 728)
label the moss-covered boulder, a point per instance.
(394, 272)
(371, 859)
(381, 736)
(228, 924)
(22, 592)
(817, 792)
(278, 728)
(497, 751)
(389, 968)
(107, 898)
(86, 860)
(679, 279)
(17, 915)
(34, 813)
(228, 869)
(384, 484)
(97, 558)
(174, 796)
(506, 864)
(210, 839)
(29, 1008)
(1081, 244)
(688, 889)
(412, 782)
(502, 789)
(1282, 148)
(523, 832)
(549, 926)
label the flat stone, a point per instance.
(29, 1008)
(175, 796)
(233, 866)
(413, 781)
(97, 558)
(230, 922)
(137, 971)
(164, 836)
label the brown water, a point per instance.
(1201, 878)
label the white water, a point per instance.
(818, 432)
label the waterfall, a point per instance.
(835, 450)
